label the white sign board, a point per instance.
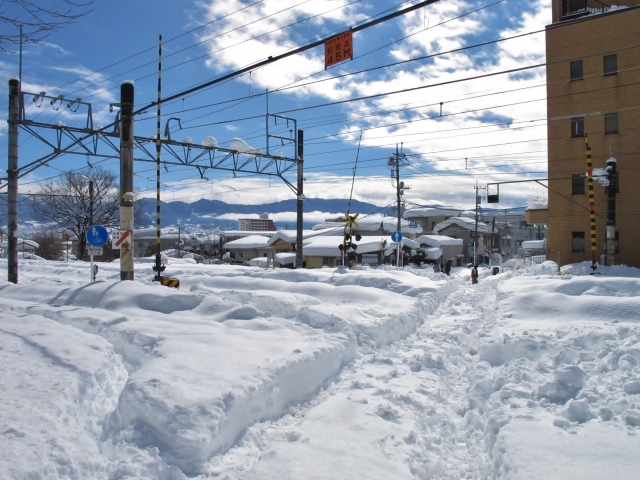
(94, 250)
(370, 258)
(120, 238)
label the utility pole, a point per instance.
(611, 210)
(395, 162)
(90, 222)
(300, 208)
(126, 179)
(475, 239)
(12, 171)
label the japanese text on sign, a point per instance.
(338, 48)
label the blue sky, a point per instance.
(492, 128)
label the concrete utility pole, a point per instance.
(395, 162)
(475, 240)
(299, 157)
(126, 179)
(12, 171)
(611, 210)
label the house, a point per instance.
(451, 249)
(593, 97)
(283, 244)
(371, 225)
(465, 228)
(244, 249)
(145, 240)
(324, 251)
(512, 230)
(428, 217)
(24, 246)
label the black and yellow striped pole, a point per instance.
(158, 267)
(592, 206)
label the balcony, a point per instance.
(572, 9)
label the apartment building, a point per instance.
(593, 94)
(262, 223)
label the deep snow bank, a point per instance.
(231, 348)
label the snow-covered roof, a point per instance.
(438, 240)
(534, 244)
(464, 222)
(291, 236)
(372, 223)
(246, 233)
(432, 253)
(22, 244)
(286, 258)
(432, 212)
(327, 246)
(252, 241)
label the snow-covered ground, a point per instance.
(247, 373)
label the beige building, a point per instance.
(262, 223)
(593, 93)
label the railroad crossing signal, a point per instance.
(348, 244)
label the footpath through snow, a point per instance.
(248, 373)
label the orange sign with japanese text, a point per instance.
(338, 49)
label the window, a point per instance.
(576, 70)
(577, 127)
(577, 185)
(328, 262)
(611, 123)
(610, 64)
(577, 244)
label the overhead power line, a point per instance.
(286, 54)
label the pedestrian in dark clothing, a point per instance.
(474, 273)
(447, 268)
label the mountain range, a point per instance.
(206, 213)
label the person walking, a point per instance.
(474, 273)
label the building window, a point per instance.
(576, 70)
(577, 126)
(577, 244)
(611, 123)
(328, 262)
(610, 64)
(577, 185)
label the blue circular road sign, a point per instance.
(396, 237)
(97, 236)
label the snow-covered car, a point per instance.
(258, 262)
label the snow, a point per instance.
(385, 373)
(467, 223)
(250, 241)
(534, 244)
(438, 240)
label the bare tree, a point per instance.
(49, 244)
(79, 201)
(36, 20)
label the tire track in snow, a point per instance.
(418, 385)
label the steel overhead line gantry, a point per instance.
(92, 141)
